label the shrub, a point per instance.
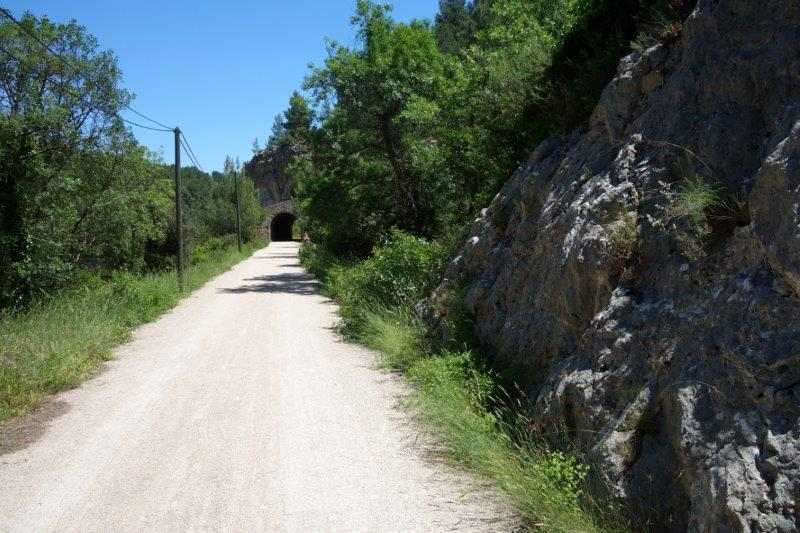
(400, 271)
(398, 274)
(317, 260)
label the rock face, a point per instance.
(657, 323)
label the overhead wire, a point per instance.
(142, 126)
(191, 157)
(181, 137)
(190, 151)
(162, 127)
(154, 121)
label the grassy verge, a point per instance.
(59, 342)
(457, 399)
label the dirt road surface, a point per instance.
(240, 410)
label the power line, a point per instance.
(163, 127)
(154, 121)
(142, 126)
(191, 152)
(191, 156)
(186, 151)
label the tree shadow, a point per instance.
(22, 431)
(288, 283)
(276, 256)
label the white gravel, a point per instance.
(241, 410)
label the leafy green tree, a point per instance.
(67, 160)
(376, 143)
(458, 22)
(210, 203)
(290, 138)
(454, 27)
(77, 192)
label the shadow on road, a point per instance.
(20, 432)
(290, 283)
(270, 257)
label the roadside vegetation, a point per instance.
(59, 341)
(410, 132)
(87, 219)
(455, 395)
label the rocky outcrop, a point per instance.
(641, 279)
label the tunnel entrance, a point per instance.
(281, 227)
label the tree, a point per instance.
(290, 138)
(63, 149)
(376, 141)
(454, 26)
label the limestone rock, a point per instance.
(670, 352)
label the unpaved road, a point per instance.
(241, 410)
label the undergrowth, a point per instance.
(60, 341)
(456, 398)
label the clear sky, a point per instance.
(221, 71)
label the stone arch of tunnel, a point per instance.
(281, 227)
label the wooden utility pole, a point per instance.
(238, 212)
(178, 208)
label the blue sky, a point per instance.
(221, 71)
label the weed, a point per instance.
(623, 235)
(689, 215)
(662, 23)
(694, 199)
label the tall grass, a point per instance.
(457, 400)
(60, 341)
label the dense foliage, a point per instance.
(400, 272)
(78, 194)
(418, 125)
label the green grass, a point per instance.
(457, 400)
(450, 396)
(694, 199)
(61, 341)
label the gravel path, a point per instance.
(240, 410)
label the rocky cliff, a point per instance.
(640, 279)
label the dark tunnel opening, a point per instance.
(281, 227)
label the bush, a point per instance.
(399, 273)
(317, 260)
